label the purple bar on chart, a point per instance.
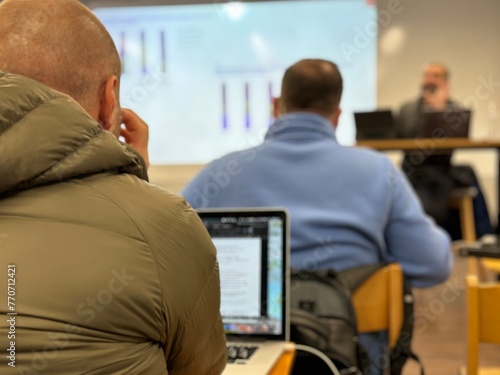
(271, 104)
(224, 107)
(143, 53)
(247, 106)
(163, 52)
(123, 43)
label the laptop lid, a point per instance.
(377, 124)
(453, 123)
(252, 251)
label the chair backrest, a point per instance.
(379, 302)
(462, 199)
(483, 318)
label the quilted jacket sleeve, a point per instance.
(192, 333)
(189, 274)
(198, 347)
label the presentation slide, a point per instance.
(240, 276)
(202, 76)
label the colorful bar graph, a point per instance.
(248, 123)
(224, 108)
(143, 53)
(123, 44)
(163, 42)
(271, 103)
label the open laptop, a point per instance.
(375, 125)
(253, 251)
(444, 124)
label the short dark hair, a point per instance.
(312, 85)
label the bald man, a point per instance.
(434, 176)
(349, 207)
(106, 273)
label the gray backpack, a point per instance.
(322, 316)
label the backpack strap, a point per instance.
(402, 350)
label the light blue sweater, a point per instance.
(348, 206)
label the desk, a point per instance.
(428, 145)
(484, 258)
(284, 365)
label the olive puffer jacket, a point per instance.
(106, 273)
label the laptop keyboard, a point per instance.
(240, 353)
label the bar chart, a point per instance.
(204, 79)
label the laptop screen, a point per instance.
(452, 123)
(375, 125)
(252, 255)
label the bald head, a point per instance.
(435, 75)
(312, 86)
(60, 43)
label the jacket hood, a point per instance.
(46, 137)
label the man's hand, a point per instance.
(136, 133)
(437, 98)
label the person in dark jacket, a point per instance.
(434, 176)
(108, 274)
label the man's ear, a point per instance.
(109, 106)
(335, 117)
(276, 107)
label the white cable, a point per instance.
(319, 354)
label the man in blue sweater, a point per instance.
(349, 206)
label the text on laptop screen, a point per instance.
(250, 254)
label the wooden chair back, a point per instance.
(379, 302)
(483, 320)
